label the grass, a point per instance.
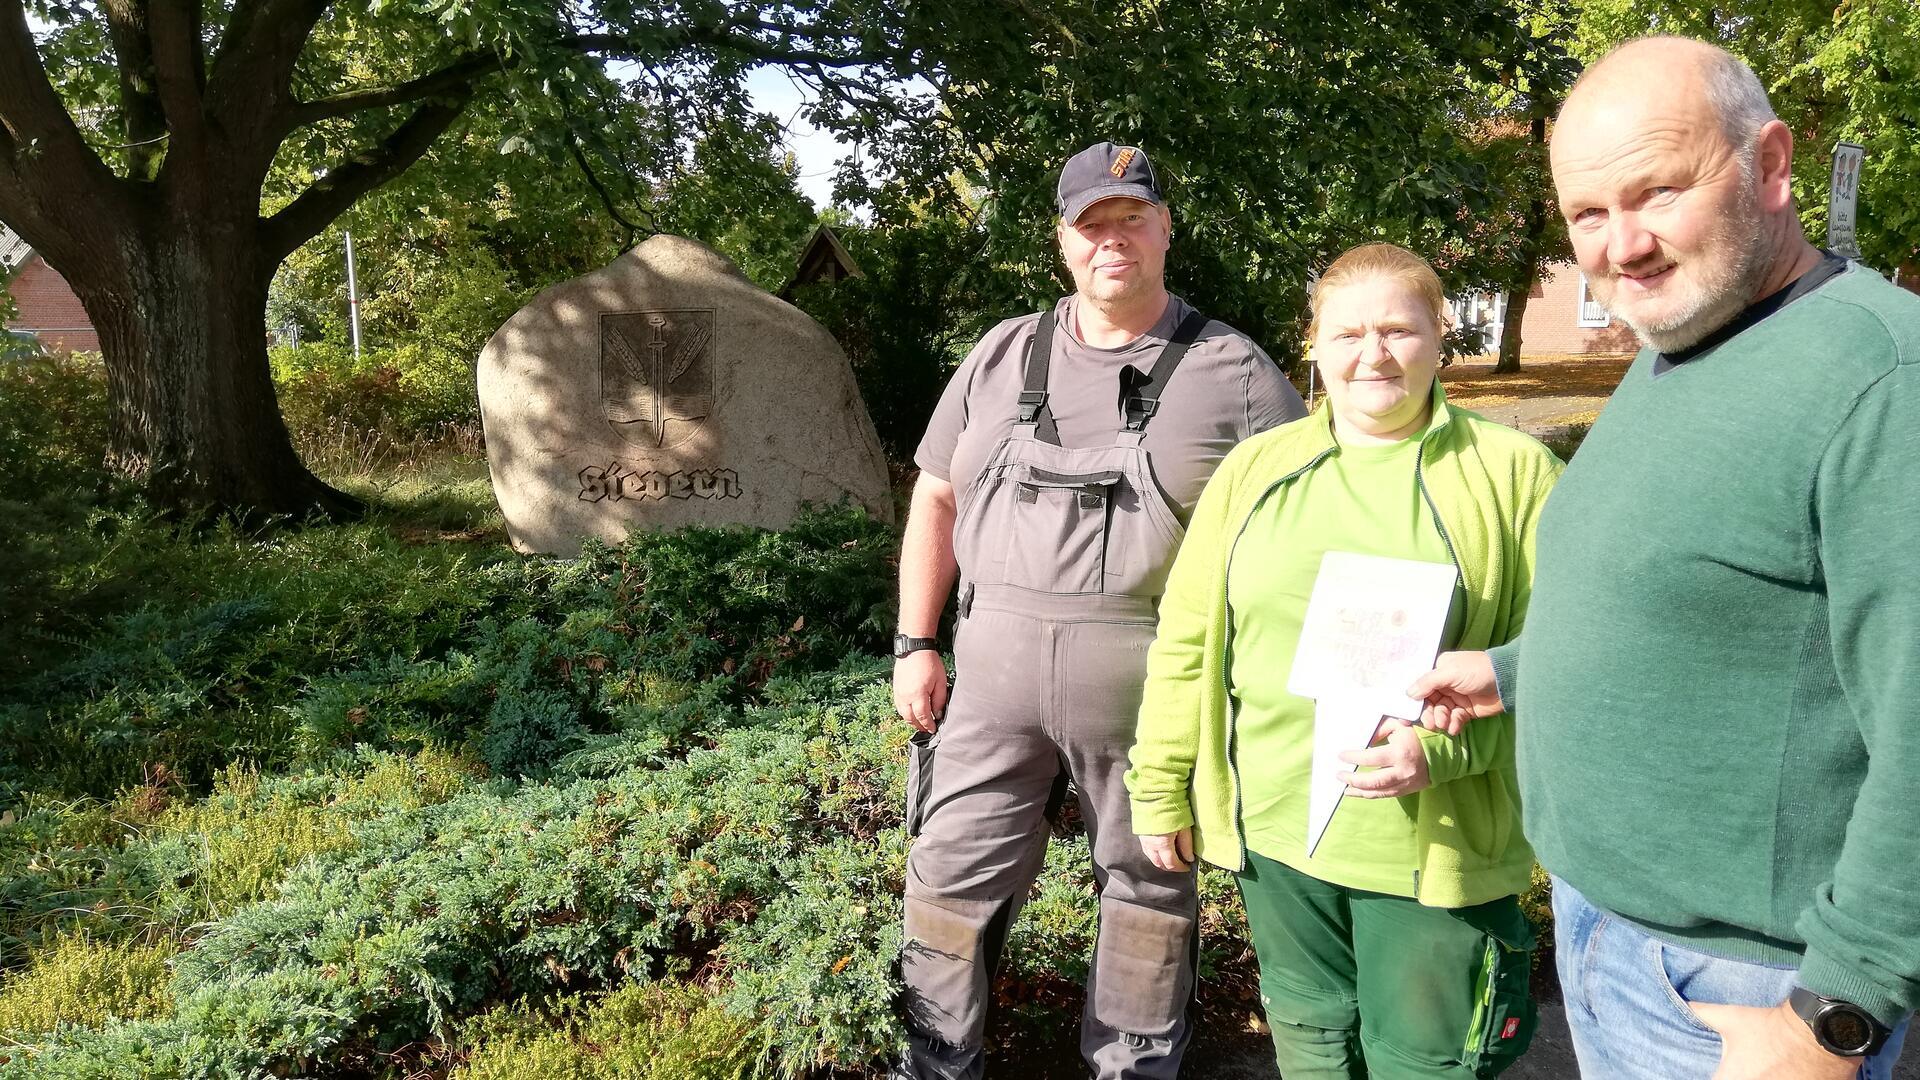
(444, 497)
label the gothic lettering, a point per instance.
(614, 482)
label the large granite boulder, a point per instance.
(665, 389)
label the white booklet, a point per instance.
(1373, 626)
(1338, 726)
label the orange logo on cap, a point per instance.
(1121, 161)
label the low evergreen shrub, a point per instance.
(82, 982)
(155, 644)
(764, 861)
(644, 1031)
(155, 864)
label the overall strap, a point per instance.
(1144, 401)
(1033, 396)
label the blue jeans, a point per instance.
(1627, 991)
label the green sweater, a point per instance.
(1486, 484)
(1719, 686)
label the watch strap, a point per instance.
(1816, 1008)
(904, 646)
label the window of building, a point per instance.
(1591, 315)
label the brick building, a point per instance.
(45, 305)
(1561, 318)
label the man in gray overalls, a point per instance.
(1056, 478)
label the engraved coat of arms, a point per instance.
(657, 374)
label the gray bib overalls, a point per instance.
(1063, 554)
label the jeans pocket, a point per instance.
(919, 778)
(1657, 959)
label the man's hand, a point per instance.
(1170, 851)
(1398, 761)
(920, 689)
(1461, 687)
(1770, 1044)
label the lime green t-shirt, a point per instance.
(1362, 499)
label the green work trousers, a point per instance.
(1361, 984)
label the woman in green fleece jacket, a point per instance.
(1397, 948)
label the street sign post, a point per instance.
(1844, 199)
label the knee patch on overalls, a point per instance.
(945, 964)
(1143, 975)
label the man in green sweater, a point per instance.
(1717, 691)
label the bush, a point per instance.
(768, 857)
(53, 443)
(1567, 442)
(80, 982)
(157, 645)
(500, 894)
(389, 406)
(658, 1031)
(154, 864)
(53, 425)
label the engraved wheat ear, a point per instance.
(628, 361)
(690, 347)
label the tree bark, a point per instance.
(1509, 361)
(1534, 240)
(194, 418)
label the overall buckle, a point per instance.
(1031, 402)
(1139, 411)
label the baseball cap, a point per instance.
(1104, 171)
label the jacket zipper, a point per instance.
(1226, 658)
(1420, 481)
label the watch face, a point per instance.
(1846, 1030)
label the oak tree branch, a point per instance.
(341, 187)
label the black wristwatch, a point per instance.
(1840, 1027)
(904, 646)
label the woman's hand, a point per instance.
(1399, 763)
(920, 689)
(1170, 851)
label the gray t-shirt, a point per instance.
(1225, 390)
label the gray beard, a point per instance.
(1725, 292)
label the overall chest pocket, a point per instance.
(1061, 520)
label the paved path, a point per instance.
(1550, 393)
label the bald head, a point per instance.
(1676, 182)
(1683, 69)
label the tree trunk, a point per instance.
(1531, 244)
(1509, 362)
(182, 324)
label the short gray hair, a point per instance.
(1739, 101)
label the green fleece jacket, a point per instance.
(1485, 484)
